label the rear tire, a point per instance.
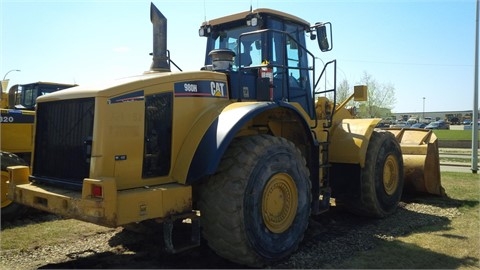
(255, 209)
(381, 180)
(10, 210)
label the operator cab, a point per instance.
(268, 56)
(24, 96)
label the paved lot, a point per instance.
(464, 157)
(449, 168)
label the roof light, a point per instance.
(204, 30)
(254, 21)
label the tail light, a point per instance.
(97, 191)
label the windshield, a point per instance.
(29, 93)
(248, 50)
(29, 96)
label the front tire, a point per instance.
(10, 210)
(255, 209)
(381, 179)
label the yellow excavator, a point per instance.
(16, 131)
(244, 150)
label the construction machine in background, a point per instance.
(16, 132)
(244, 150)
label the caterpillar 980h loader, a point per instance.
(16, 131)
(245, 148)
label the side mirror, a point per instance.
(323, 35)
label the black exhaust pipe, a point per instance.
(160, 57)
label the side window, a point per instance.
(293, 63)
(251, 50)
(29, 96)
(246, 48)
(256, 50)
(278, 55)
(245, 57)
(230, 43)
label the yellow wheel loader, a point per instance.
(16, 132)
(245, 150)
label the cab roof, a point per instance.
(242, 15)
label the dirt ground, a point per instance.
(331, 237)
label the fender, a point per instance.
(349, 140)
(223, 130)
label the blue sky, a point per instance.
(424, 48)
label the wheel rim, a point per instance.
(390, 175)
(5, 200)
(279, 203)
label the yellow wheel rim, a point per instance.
(279, 203)
(390, 175)
(5, 178)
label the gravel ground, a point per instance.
(330, 238)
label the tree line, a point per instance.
(381, 97)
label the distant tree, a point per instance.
(381, 98)
(343, 91)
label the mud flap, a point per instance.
(420, 160)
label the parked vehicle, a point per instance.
(438, 125)
(382, 124)
(419, 125)
(400, 124)
(412, 120)
(17, 111)
(453, 118)
(427, 120)
(454, 121)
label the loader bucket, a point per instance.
(421, 162)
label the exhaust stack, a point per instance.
(160, 58)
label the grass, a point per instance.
(46, 233)
(445, 134)
(452, 246)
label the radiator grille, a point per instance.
(63, 133)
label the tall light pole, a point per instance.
(423, 112)
(475, 100)
(9, 72)
(5, 82)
